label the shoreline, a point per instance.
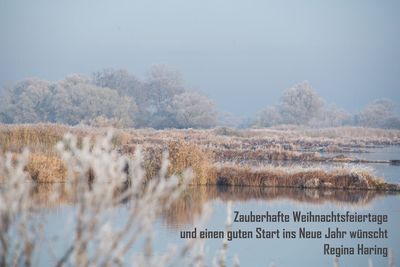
(214, 155)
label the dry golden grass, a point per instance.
(202, 149)
(43, 137)
(265, 155)
(269, 176)
(44, 168)
(38, 137)
(184, 155)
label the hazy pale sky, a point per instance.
(243, 54)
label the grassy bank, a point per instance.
(297, 177)
(216, 156)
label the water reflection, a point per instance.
(193, 197)
(185, 210)
(190, 202)
(49, 195)
(189, 205)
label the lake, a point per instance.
(262, 251)
(295, 251)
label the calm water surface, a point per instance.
(391, 173)
(265, 252)
(261, 252)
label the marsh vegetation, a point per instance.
(97, 166)
(221, 156)
(147, 171)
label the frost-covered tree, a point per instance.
(392, 122)
(69, 101)
(156, 97)
(269, 116)
(193, 110)
(24, 102)
(380, 113)
(120, 80)
(300, 104)
(126, 84)
(227, 119)
(74, 100)
(332, 116)
(110, 96)
(162, 85)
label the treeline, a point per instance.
(162, 100)
(301, 105)
(114, 97)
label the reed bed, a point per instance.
(216, 156)
(42, 137)
(184, 155)
(44, 168)
(37, 137)
(298, 177)
(103, 172)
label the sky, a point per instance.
(242, 54)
